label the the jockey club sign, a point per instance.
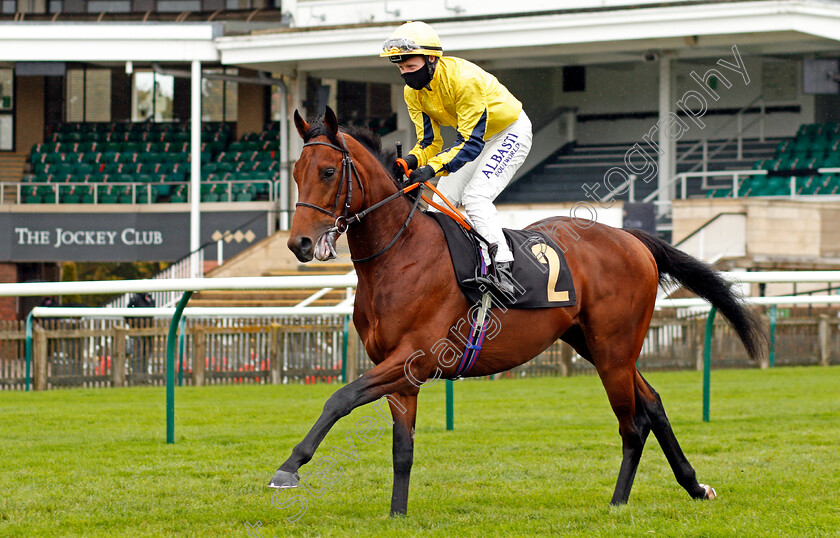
(122, 236)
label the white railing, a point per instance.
(733, 181)
(345, 281)
(767, 277)
(183, 284)
(141, 193)
(738, 136)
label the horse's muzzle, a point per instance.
(302, 247)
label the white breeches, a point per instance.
(479, 182)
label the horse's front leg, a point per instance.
(385, 378)
(404, 411)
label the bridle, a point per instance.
(343, 221)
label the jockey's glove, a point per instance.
(424, 173)
(405, 166)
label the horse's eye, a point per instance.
(328, 173)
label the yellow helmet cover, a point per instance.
(410, 39)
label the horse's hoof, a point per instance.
(284, 479)
(711, 494)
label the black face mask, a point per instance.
(417, 80)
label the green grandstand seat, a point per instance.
(111, 169)
(161, 187)
(832, 161)
(783, 147)
(85, 147)
(148, 168)
(147, 157)
(83, 169)
(108, 195)
(806, 185)
(91, 157)
(176, 177)
(110, 157)
(755, 186)
(125, 195)
(210, 193)
(63, 169)
(145, 194)
(266, 166)
(820, 145)
(71, 196)
(179, 195)
(49, 193)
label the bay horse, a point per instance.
(408, 299)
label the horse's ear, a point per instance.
(302, 126)
(331, 121)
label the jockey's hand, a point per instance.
(424, 173)
(405, 166)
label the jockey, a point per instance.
(494, 133)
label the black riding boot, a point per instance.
(504, 278)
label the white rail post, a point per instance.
(195, 169)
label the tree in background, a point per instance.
(84, 272)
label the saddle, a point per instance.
(541, 276)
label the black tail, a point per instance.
(701, 279)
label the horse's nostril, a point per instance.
(305, 244)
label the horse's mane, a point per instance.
(367, 138)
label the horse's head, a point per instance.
(326, 188)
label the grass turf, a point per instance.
(527, 457)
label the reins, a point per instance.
(343, 222)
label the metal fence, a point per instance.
(127, 352)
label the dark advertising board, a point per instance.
(123, 237)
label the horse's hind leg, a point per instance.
(661, 427)
(617, 372)
(633, 426)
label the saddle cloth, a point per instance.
(542, 276)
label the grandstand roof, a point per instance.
(689, 29)
(100, 42)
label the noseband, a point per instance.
(343, 222)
